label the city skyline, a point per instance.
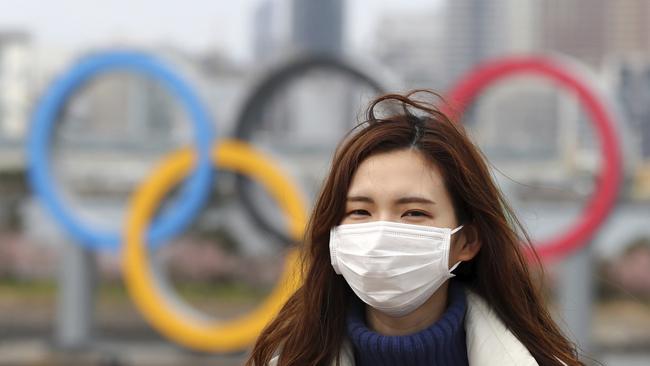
(205, 26)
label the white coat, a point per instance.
(489, 342)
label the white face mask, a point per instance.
(391, 266)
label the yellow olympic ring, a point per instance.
(227, 336)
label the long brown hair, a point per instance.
(310, 328)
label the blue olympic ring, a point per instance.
(180, 213)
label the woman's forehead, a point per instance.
(397, 173)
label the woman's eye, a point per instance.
(359, 213)
(415, 214)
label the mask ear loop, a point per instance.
(459, 262)
(453, 268)
(456, 229)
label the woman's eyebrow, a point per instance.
(413, 199)
(360, 199)
(399, 201)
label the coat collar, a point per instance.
(489, 342)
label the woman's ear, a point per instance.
(467, 244)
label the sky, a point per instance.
(193, 25)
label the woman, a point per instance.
(410, 203)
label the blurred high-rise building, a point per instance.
(271, 27)
(632, 87)
(479, 30)
(575, 27)
(474, 32)
(263, 40)
(289, 26)
(15, 84)
(411, 45)
(629, 55)
(629, 36)
(16, 99)
(318, 25)
(595, 31)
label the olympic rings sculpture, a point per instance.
(139, 236)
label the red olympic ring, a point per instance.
(604, 197)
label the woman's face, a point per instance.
(400, 186)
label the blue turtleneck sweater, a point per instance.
(442, 343)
